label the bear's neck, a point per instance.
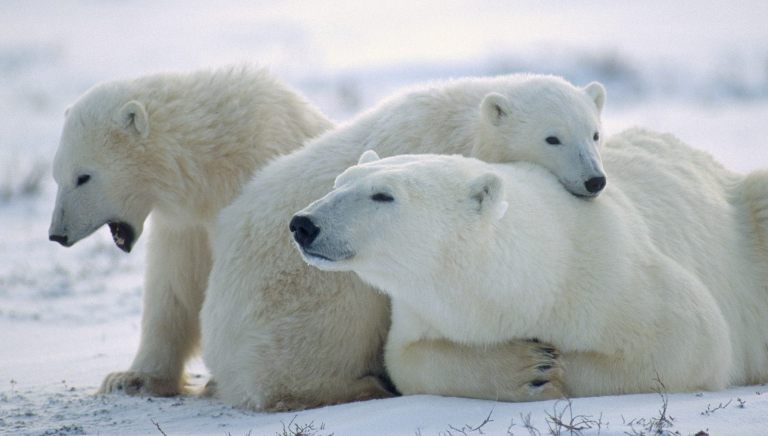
(508, 280)
(211, 133)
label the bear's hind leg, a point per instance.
(332, 392)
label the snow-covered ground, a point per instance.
(70, 316)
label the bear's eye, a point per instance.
(382, 197)
(553, 140)
(596, 137)
(82, 180)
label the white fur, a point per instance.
(517, 125)
(278, 334)
(660, 277)
(178, 146)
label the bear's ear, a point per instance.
(494, 108)
(368, 156)
(487, 193)
(132, 116)
(596, 91)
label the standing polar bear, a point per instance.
(280, 335)
(660, 278)
(180, 146)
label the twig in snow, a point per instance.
(573, 425)
(533, 431)
(710, 410)
(656, 425)
(294, 429)
(158, 427)
(467, 429)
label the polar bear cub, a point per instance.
(549, 122)
(626, 288)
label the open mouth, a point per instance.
(122, 234)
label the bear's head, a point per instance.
(379, 206)
(549, 122)
(102, 168)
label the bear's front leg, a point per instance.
(178, 264)
(419, 362)
(518, 370)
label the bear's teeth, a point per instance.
(119, 240)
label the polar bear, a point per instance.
(178, 146)
(658, 279)
(280, 335)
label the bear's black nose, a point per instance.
(595, 184)
(61, 239)
(303, 229)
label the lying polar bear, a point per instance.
(279, 335)
(663, 276)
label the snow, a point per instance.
(54, 368)
(70, 316)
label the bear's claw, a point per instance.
(546, 373)
(136, 383)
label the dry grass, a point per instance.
(295, 429)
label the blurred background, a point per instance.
(698, 69)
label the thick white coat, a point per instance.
(280, 335)
(663, 277)
(178, 146)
